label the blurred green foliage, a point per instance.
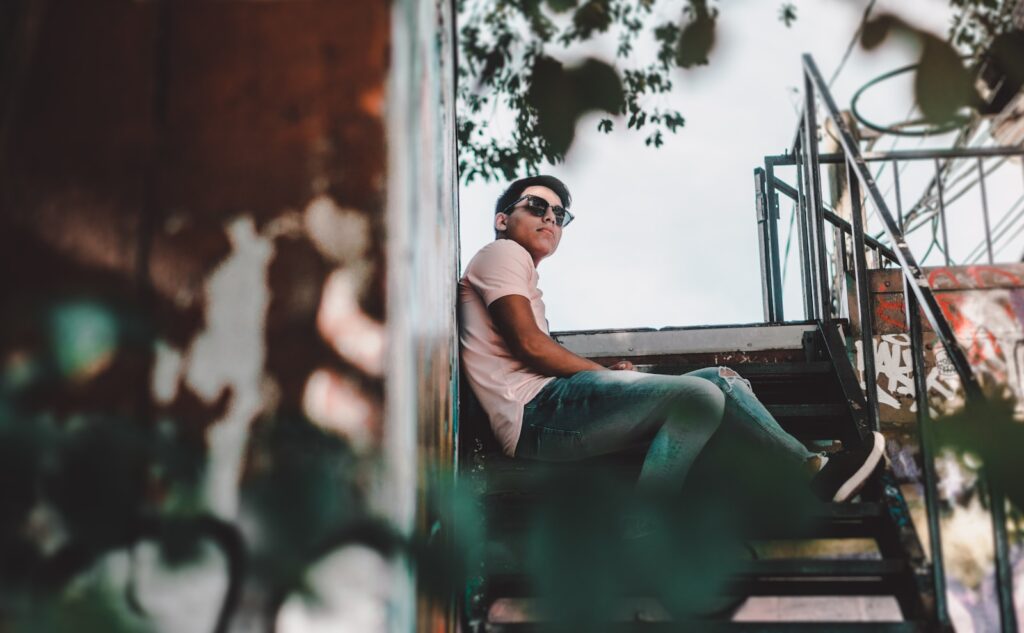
(988, 431)
(88, 468)
(507, 49)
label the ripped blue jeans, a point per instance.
(597, 412)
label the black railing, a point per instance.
(888, 248)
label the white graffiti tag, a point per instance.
(894, 370)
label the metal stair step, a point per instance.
(507, 563)
(712, 626)
(750, 371)
(828, 410)
(509, 512)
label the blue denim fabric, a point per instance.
(597, 412)
(745, 413)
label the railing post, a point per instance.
(816, 219)
(860, 271)
(765, 245)
(806, 278)
(773, 232)
(924, 431)
(1004, 568)
(984, 209)
(942, 212)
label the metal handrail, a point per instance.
(919, 296)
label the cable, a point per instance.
(853, 42)
(997, 232)
(1009, 240)
(789, 239)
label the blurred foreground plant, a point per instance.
(517, 55)
(89, 470)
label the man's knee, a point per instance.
(702, 398)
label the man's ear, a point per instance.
(500, 222)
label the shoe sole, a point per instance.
(853, 485)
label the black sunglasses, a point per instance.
(539, 207)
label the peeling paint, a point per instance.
(341, 235)
(355, 336)
(895, 374)
(166, 373)
(230, 354)
(337, 404)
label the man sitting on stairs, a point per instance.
(546, 403)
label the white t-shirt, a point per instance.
(500, 381)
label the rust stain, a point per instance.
(372, 101)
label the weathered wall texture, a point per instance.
(207, 164)
(985, 306)
(422, 273)
(219, 171)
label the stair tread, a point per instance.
(509, 564)
(830, 409)
(748, 370)
(712, 626)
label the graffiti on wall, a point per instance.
(895, 374)
(984, 305)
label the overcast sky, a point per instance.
(667, 237)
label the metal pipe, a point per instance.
(860, 272)
(817, 226)
(924, 431)
(764, 246)
(942, 211)
(805, 249)
(870, 241)
(899, 196)
(782, 186)
(807, 246)
(773, 233)
(1004, 570)
(984, 208)
(835, 219)
(919, 154)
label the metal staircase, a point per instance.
(803, 373)
(804, 376)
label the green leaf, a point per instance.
(988, 430)
(561, 6)
(85, 338)
(594, 16)
(942, 85)
(875, 31)
(553, 105)
(560, 97)
(1008, 52)
(787, 14)
(597, 86)
(695, 42)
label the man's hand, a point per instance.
(622, 365)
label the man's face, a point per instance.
(539, 236)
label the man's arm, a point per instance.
(514, 318)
